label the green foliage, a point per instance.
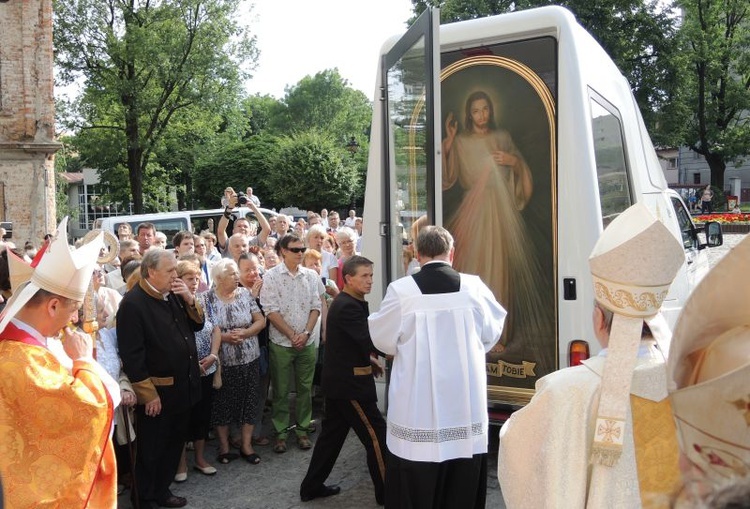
(239, 164)
(327, 103)
(148, 66)
(260, 111)
(715, 39)
(66, 160)
(314, 171)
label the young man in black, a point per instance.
(349, 386)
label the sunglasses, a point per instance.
(297, 249)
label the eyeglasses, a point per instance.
(297, 249)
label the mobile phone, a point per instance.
(323, 278)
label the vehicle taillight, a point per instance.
(578, 351)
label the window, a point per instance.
(609, 152)
(696, 178)
(91, 205)
(689, 236)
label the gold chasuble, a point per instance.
(656, 451)
(55, 446)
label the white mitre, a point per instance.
(60, 270)
(632, 266)
(709, 369)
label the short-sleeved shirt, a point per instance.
(293, 296)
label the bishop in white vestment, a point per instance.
(601, 434)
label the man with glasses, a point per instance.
(291, 299)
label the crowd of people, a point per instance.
(191, 342)
(193, 337)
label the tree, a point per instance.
(65, 161)
(639, 35)
(239, 164)
(327, 103)
(260, 111)
(716, 41)
(145, 65)
(313, 171)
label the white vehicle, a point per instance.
(170, 223)
(519, 134)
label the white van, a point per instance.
(170, 223)
(519, 134)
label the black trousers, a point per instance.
(460, 482)
(340, 416)
(159, 443)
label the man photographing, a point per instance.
(241, 224)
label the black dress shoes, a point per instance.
(173, 501)
(324, 491)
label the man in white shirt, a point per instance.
(281, 226)
(438, 324)
(333, 222)
(349, 223)
(291, 300)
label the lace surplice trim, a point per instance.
(437, 435)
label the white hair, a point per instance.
(346, 233)
(220, 267)
(316, 228)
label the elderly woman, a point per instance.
(271, 258)
(346, 238)
(315, 238)
(207, 342)
(233, 310)
(251, 278)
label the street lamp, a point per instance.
(352, 146)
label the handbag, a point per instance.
(217, 383)
(217, 376)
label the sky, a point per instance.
(297, 38)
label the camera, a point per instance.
(242, 198)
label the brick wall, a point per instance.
(27, 118)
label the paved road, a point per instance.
(730, 241)
(274, 484)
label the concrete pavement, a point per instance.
(274, 483)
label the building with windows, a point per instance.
(87, 201)
(684, 167)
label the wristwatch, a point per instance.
(306, 332)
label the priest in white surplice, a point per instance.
(438, 324)
(600, 435)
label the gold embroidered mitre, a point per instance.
(632, 266)
(709, 372)
(61, 270)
